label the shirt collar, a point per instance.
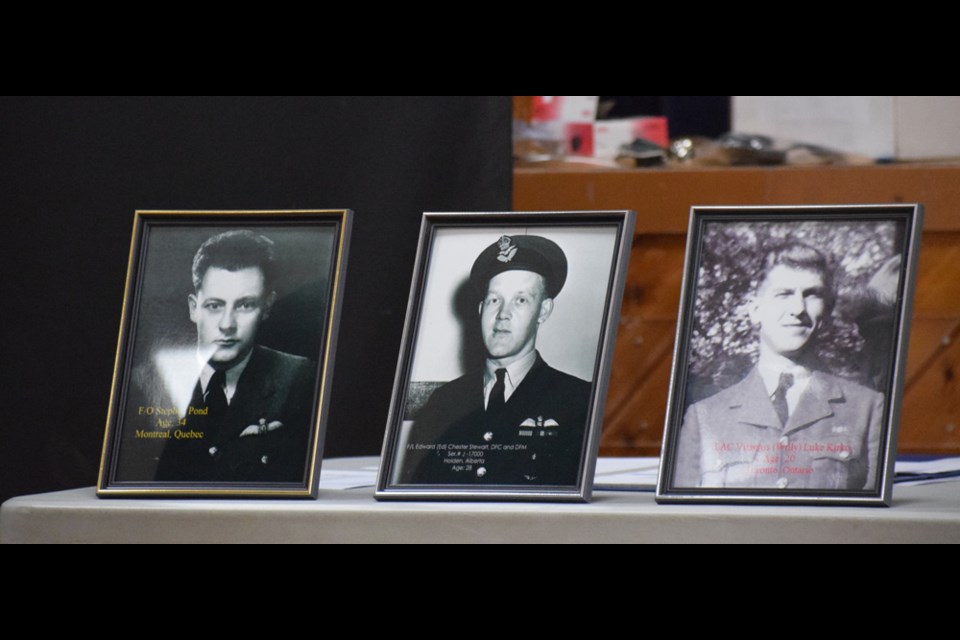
(516, 371)
(770, 373)
(232, 375)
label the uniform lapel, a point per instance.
(814, 404)
(529, 382)
(750, 404)
(520, 401)
(196, 398)
(253, 387)
(476, 401)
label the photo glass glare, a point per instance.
(226, 353)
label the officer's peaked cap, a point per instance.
(521, 253)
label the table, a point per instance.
(927, 513)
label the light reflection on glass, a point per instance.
(179, 371)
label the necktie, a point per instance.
(779, 397)
(496, 401)
(216, 398)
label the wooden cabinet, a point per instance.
(636, 404)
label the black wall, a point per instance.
(75, 169)
(686, 115)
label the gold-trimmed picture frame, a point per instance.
(225, 356)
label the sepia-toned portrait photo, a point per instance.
(788, 352)
(230, 322)
(503, 370)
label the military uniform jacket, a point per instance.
(735, 439)
(536, 440)
(274, 387)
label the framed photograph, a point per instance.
(225, 358)
(505, 358)
(790, 351)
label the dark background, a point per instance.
(162, 335)
(297, 319)
(75, 169)
(686, 115)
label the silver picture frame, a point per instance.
(511, 291)
(789, 358)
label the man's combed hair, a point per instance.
(233, 251)
(798, 255)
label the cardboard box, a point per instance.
(603, 139)
(564, 109)
(882, 127)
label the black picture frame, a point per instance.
(790, 352)
(246, 303)
(442, 442)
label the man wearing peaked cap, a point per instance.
(518, 421)
(521, 253)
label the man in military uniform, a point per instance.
(249, 417)
(518, 421)
(786, 425)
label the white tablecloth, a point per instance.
(927, 513)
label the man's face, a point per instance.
(511, 312)
(790, 306)
(228, 310)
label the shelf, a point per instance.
(662, 197)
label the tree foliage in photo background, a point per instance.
(723, 341)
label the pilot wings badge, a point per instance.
(262, 428)
(530, 426)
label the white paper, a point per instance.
(903, 469)
(940, 465)
(620, 473)
(626, 473)
(348, 478)
(638, 473)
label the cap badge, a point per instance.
(507, 249)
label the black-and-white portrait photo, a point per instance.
(229, 328)
(504, 364)
(792, 342)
